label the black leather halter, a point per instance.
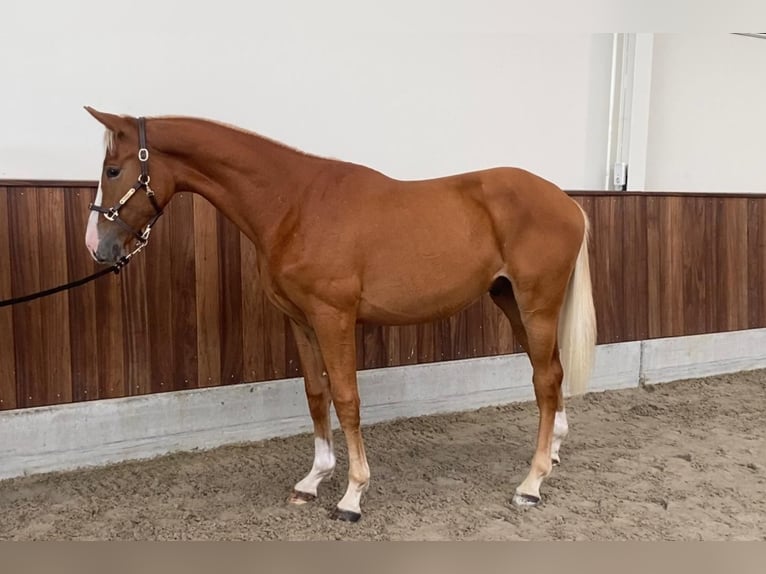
(113, 213)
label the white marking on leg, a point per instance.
(91, 233)
(324, 464)
(352, 500)
(560, 430)
(528, 492)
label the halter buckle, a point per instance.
(111, 214)
(143, 154)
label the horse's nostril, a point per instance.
(116, 252)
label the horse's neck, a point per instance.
(253, 181)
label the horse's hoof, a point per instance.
(345, 515)
(297, 497)
(525, 500)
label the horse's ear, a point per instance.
(117, 124)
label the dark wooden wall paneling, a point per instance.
(189, 311)
(8, 399)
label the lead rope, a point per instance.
(113, 269)
(116, 268)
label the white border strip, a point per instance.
(65, 437)
(666, 360)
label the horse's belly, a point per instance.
(427, 261)
(421, 297)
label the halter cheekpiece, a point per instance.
(113, 213)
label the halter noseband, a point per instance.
(113, 213)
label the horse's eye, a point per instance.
(112, 172)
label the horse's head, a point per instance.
(133, 186)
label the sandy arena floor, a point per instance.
(679, 461)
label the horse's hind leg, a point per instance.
(537, 332)
(502, 295)
(318, 395)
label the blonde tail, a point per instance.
(577, 326)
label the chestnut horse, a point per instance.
(340, 243)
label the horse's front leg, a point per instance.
(318, 395)
(335, 333)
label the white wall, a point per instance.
(707, 119)
(371, 85)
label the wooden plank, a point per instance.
(183, 285)
(137, 352)
(756, 277)
(54, 342)
(733, 265)
(426, 342)
(82, 300)
(695, 274)
(458, 336)
(374, 347)
(712, 223)
(159, 302)
(25, 278)
(441, 339)
(474, 330)
(110, 339)
(253, 357)
(710, 263)
(230, 302)
(654, 281)
(635, 315)
(671, 268)
(408, 344)
(207, 293)
(7, 340)
(608, 260)
(603, 299)
(717, 255)
(393, 345)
